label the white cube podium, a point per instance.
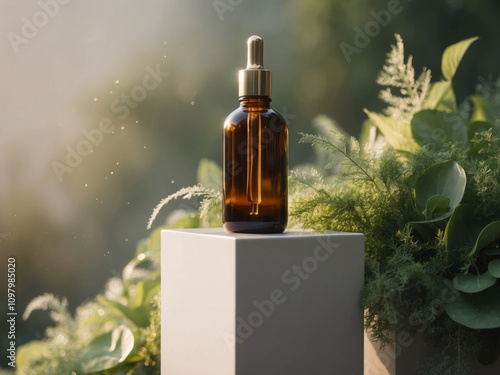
(252, 304)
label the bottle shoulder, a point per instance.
(240, 114)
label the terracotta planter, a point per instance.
(402, 358)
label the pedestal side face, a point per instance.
(298, 307)
(198, 304)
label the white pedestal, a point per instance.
(240, 304)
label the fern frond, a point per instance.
(339, 145)
(187, 193)
(58, 308)
(404, 94)
(211, 205)
(300, 178)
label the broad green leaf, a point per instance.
(446, 178)
(140, 316)
(209, 174)
(144, 292)
(436, 206)
(441, 97)
(108, 350)
(462, 230)
(435, 128)
(476, 310)
(452, 57)
(133, 272)
(494, 267)
(488, 235)
(396, 133)
(468, 283)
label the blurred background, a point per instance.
(108, 106)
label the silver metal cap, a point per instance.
(255, 80)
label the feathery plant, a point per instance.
(396, 75)
(423, 186)
(208, 188)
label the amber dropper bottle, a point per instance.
(255, 166)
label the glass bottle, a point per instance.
(255, 167)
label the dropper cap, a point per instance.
(255, 80)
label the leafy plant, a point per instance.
(116, 333)
(427, 201)
(423, 185)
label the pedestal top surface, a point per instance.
(221, 232)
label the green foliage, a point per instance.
(116, 333)
(477, 310)
(452, 57)
(426, 195)
(422, 184)
(119, 331)
(208, 187)
(439, 190)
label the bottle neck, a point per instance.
(255, 101)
